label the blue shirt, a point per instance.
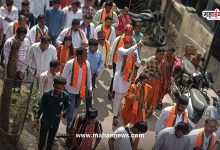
(55, 21)
(138, 38)
(96, 61)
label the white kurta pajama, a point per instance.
(119, 85)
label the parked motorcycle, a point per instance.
(150, 25)
(193, 83)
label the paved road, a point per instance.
(104, 107)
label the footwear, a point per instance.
(110, 95)
(159, 106)
(115, 120)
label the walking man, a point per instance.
(171, 115)
(54, 106)
(78, 74)
(124, 72)
(173, 138)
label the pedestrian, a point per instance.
(107, 28)
(38, 31)
(39, 7)
(133, 109)
(94, 56)
(130, 142)
(8, 13)
(72, 12)
(20, 37)
(13, 26)
(85, 124)
(101, 14)
(46, 78)
(54, 106)
(123, 19)
(138, 35)
(173, 138)
(204, 138)
(87, 26)
(153, 69)
(127, 57)
(113, 55)
(55, 21)
(78, 35)
(78, 74)
(170, 66)
(25, 10)
(171, 115)
(87, 9)
(104, 47)
(40, 55)
(65, 51)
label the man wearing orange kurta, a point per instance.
(153, 70)
(133, 109)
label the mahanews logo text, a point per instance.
(211, 15)
(109, 135)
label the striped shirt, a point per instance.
(25, 46)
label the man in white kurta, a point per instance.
(8, 13)
(120, 86)
(107, 28)
(38, 7)
(72, 12)
(180, 109)
(40, 55)
(108, 8)
(173, 138)
(12, 27)
(208, 132)
(78, 35)
(46, 78)
(38, 31)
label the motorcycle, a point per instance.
(192, 83)
(150, 25)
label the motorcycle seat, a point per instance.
(188, 66)
(198, 100)
(146, 17)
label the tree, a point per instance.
(9, 79)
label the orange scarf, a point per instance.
(200, 140)
(38, 35)
(138, 105)
(172, 119)
(64, 54)
(107, 31)
(119, 44)
(104, 14)
(75, 77)
(16, 26)
(69, 32)
(107, 47)
(128, 66)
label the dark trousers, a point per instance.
(89, 97)
(114, 68)
(50, 128)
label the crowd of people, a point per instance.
(71, 44)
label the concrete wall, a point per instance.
(185, 27)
